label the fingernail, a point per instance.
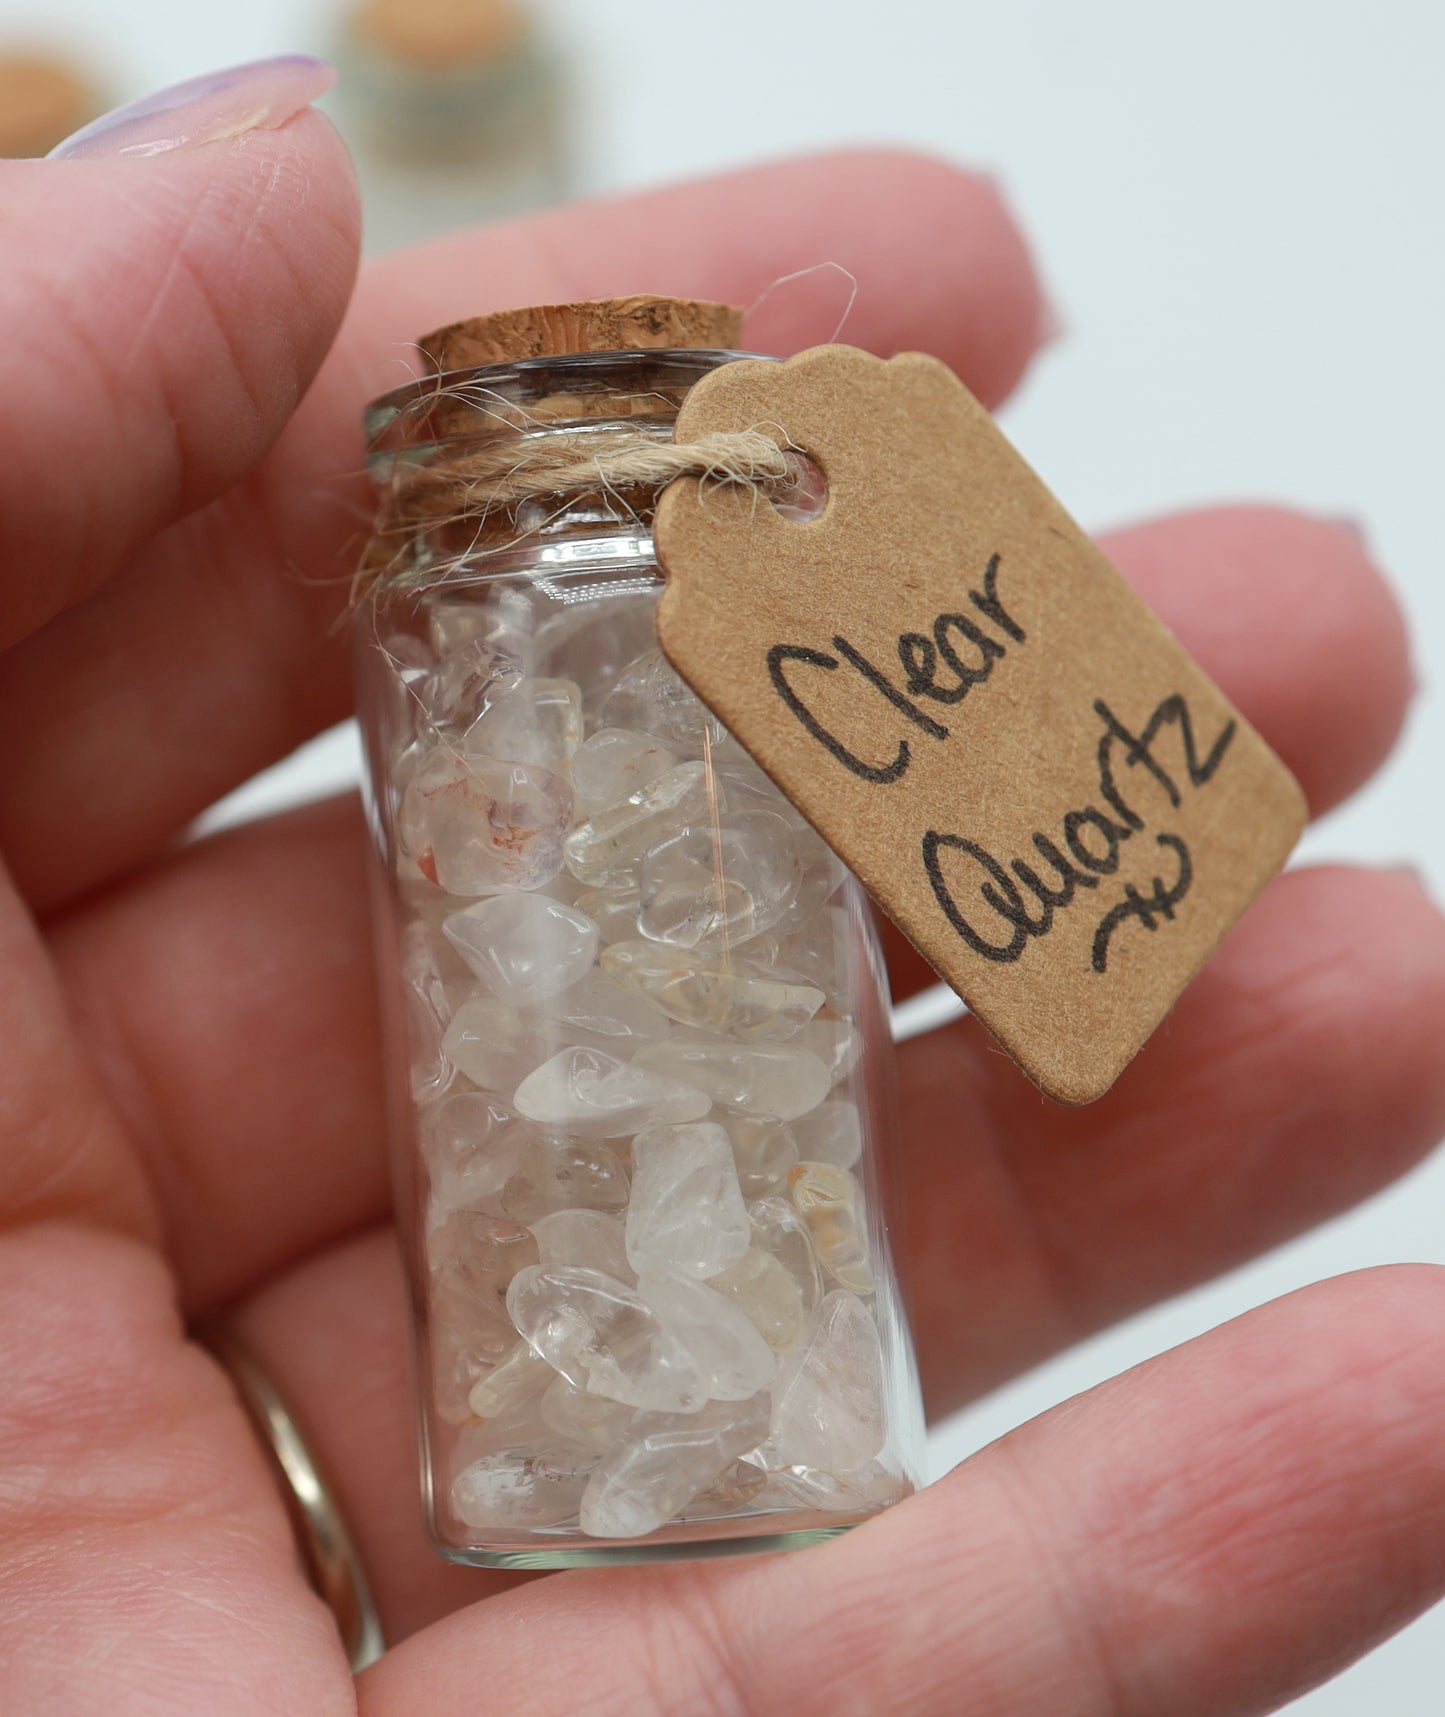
(1355, 529)
(261, 96)
(1412, 873)
(1053, 326)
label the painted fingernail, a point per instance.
(1412, 873)
(261, 96)
(1354, 528)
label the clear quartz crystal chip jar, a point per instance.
(640, 1062)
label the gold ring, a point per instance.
(326, 1546)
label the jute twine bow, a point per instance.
(477, 486)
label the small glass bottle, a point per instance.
(642, 1093)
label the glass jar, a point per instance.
(642, 1081)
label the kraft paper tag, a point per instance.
(1024, 767)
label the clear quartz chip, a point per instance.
(589, 1091)
(768, 1294)
(471, 1142)
(528, 1486)
(529, 721)
(594, 642)
(686, 1215)
(490, 1043)
(606, 851)
(589, 1238)
(727, 994)
(718, 885)
(590, 1421)
(830, 1201)
(828, 1407)
(615, 763)
(475, 825)
(780, 1231)
(735, 1361)
(755, 1079)
(605, 1338)
(836, 1042)
(763, 1152)
(612, 910)
(599, 1013)
(525, 947)
(515, 1379)
(831, 1133)
(664, 1461)
(652, 697)
(556, 1174)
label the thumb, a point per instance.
(174, 276)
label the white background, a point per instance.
(1238, 208)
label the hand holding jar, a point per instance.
(193, 1123)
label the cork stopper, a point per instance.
(648, 323)
(41, 102)
(440, 35)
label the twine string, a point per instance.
(483, 483)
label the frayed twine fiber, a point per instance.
(491, 481)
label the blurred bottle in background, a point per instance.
(454, 111)
(42, 100)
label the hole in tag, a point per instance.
(807, 494)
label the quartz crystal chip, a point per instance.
(525, 946)
(464, 683)
(601, 1014)
(475, 825)
(457, 626)
(828, 1408)
(733, 1358)
(587, 1238)
(730, 1493)
(663, 1462)
(471, 1142)
(763, 1152)
(612, 910)
(490, 1043)
(830, 1201)
(820, 875)
(868, 1487)
(472, 1258)
(835, 1042)
(564, 1174)
(515, 1379)
(651, 696)
(714, 886)
(714, 992)
(604, 1337)
(588, 1091)
(590, 1421)
(529, 721)
(822, 952)
(780, 1231)
(614, 764)
(831, 1133)
(757, 1079)
(522, 1487)
(428, 1010)
(605, 852)
(769, 1295)
(686, 1215)
(594, 641)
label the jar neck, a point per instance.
(439, 421)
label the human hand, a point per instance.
(190, 1109)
